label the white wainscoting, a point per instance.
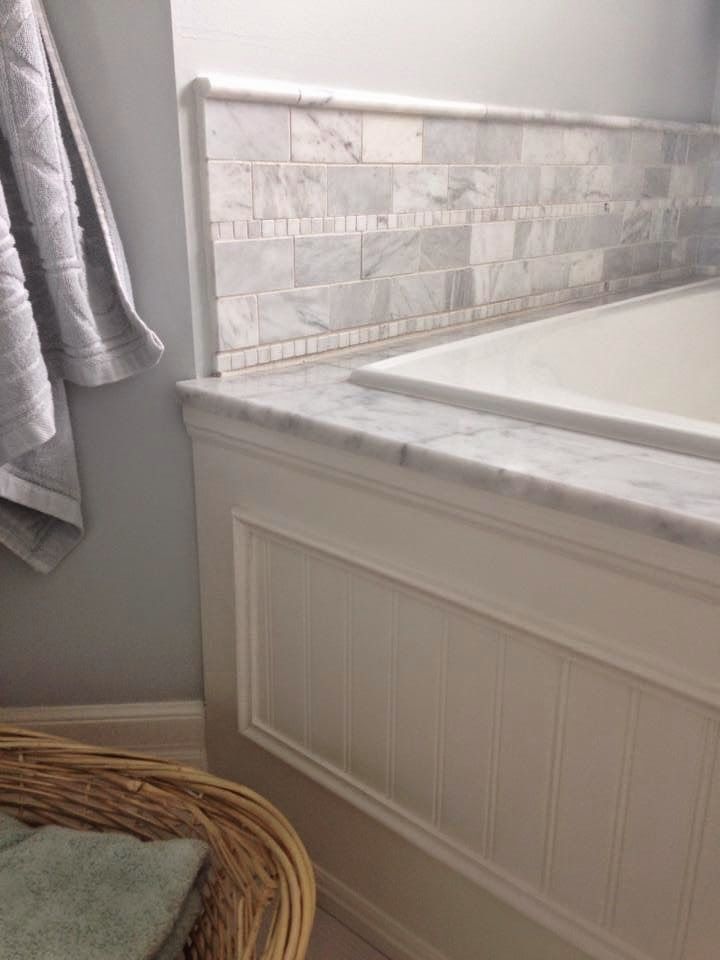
(173, 730)
(576, 791)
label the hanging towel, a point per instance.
(71, 894)
(66, 305)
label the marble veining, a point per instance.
(388, 138)
(327, 259)
(295, 313)
(289, 190)
(661, 494)
(235, 130)
(229, 190)
(330, 136)
(237, 322)
(346, 188)
(420, 187)
(358, 304)
(471, 187)
(391, 252)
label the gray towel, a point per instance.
(70, 894)
(66, 307)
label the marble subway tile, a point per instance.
(296, 313)
(656, 182)
(585, 267)
(647, 147)
(359, 189)
(327, 259)
(491, 241)
(509, 280)
(713, 181)
(534, 238)
(444, 247)
(700, 148)
(449, 140)
(419, 187)
(627, 181)
(229, 190)
(575, 184)
(288, 190)
(587, 233)
(603, 230)
(472, 187)
(708, 254)
(674, 147)
(557, 144)
(547, 273)
(237, 320)
(617, 263)
(518, 186)
(683, 181)
(675, 253)
(387, 138)
(646, 258)
(464, 293)
(669, 224)
(251, 266)
(326, 136)
(596, 145)
(423, 293)
(637, 224)
(359, 304)
(691, 221)
(543, 143)
(498, 142)
(389, 252)
(246, 131)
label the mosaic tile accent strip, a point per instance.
(333, 227)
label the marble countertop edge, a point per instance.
(654, 509)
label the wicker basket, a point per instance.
(259, 896)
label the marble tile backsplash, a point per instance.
(334, 227)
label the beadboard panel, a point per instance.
(552, 777)
(624, 619)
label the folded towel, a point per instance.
(66, 307)
(95, 896)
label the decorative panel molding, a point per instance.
(572, 790)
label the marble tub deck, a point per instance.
(666, 495)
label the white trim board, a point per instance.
(370, 923)
(173, 730)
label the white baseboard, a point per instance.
(173, 730)
(370, 923)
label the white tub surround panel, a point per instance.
(496, 639)
(419, 187)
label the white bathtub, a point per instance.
(645, 370)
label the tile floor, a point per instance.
(332, 941)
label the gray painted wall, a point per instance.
(118, 621)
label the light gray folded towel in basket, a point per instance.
(75, 895)
(66, 306)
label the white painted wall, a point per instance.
(118, 620)
(649, 58)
